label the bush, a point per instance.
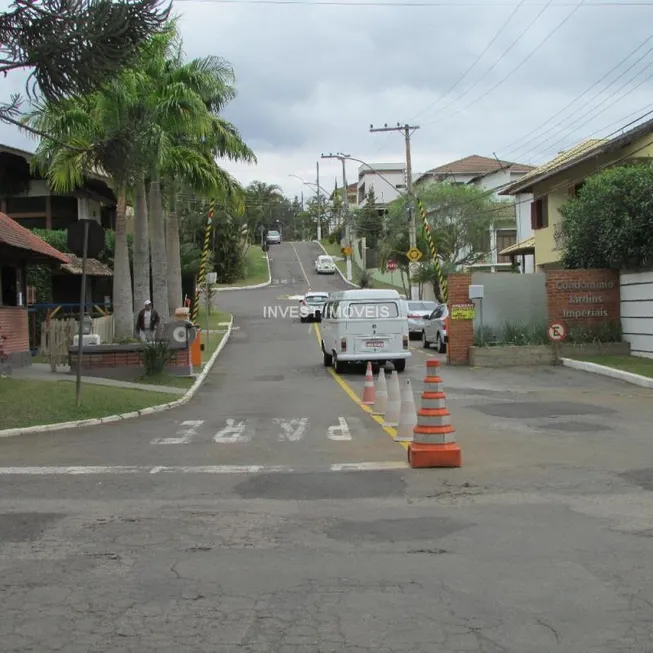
(365, 279)
(155, 356)
(595, 333)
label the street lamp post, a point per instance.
(318, 188)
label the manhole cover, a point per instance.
(532, 409)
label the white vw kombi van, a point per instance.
(365, 325)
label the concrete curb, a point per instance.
(351, 283)
(257, 285)
(46, 428)
(602, 370)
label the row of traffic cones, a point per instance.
(428, 430)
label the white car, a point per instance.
(325, 265)
(273, 238)
(435, 329)
(311, 306)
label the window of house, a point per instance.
(361, 193)
(575, 189)
(539, 213)
(505, 238)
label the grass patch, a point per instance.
(333, 249)
(214, 339)
(632, 364)
(26, 402)
(256, 269)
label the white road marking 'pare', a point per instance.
(340, 432)
(292, 429)
(184, 435)
(233, 432)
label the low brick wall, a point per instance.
(120, 361)
(509, 356)
(512, 355)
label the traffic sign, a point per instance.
(347, 251)
(557, 331)
(414, 268)
(414, 254)
(392, 265)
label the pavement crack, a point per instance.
(544, 624)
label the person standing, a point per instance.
(147, 322)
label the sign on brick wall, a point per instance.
(583, 296)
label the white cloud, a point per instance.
(311, 79)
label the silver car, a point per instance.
(311, 306)
(273, 238)
(417, 311)
(435, 329)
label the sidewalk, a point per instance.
(42, 372)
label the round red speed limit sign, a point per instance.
(557, 331)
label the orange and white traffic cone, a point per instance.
(434, 439)
(393, 407)
(408, 415)
(368, 391)
(381, 398)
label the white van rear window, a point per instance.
(371, 311)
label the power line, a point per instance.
(557, 128)
(522, 62)
(409, 3)
(524, 140)
(503, 54)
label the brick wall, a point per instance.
(13, 325)
(583, 297)
(115, 359)
(461, 332)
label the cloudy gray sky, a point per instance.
(312, 76)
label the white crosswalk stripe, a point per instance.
(241, 430)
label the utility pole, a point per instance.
(345, 205)
(319, 205)
(407, 131)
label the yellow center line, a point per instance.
(351, 393)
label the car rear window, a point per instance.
(421, 306)
(371, 311)
(316, 299)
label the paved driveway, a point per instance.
(541, 542)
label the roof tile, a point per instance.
(15, 235)
(477, 165)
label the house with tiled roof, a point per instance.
(491, 174)
(553, 183)
(19, 248)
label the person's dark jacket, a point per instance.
(140, 321)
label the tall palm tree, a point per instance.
(186, 135)
(92, 133)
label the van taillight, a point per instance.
(343, 344)
(405, 342)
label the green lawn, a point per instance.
(333, 249)
(214, 339)
(256, 269)
(25, 402)
(633, 364)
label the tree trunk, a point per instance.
(175, 298)
(158, 251)
(141, 248)
(123, 312)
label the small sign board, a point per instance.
(347, 251)
(211, 278)
(463, 311)
(414, 254)
(414, 268)
(392, 265)
(557, 332)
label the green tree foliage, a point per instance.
(609, 224)
(369, 221)
(73, 48)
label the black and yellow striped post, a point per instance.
(442, 280)
(201, 279)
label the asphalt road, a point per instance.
(276, 539)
